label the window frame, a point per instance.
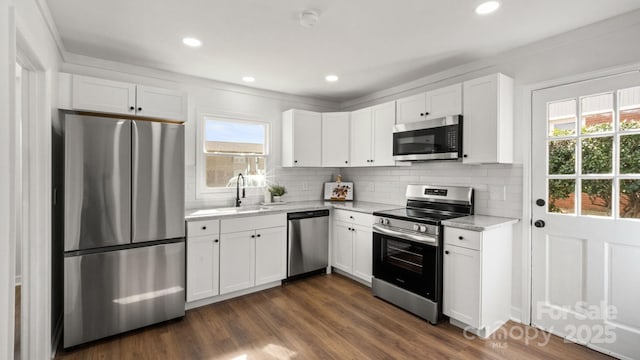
(202, 190)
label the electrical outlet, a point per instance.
(305, 186)
(371, 187)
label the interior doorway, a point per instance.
(16, 203)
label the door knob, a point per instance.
(540, 202)
(539, 223)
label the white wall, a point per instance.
(214, 97)
(500, 188)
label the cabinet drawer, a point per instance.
(353, 217)
(463, 238)
(204, 227)
(252, 222)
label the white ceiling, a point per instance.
(370, 44)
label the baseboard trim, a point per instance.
(516, 314)
(215, 299)
(350, 276)
(57, 336)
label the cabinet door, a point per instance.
(237, 261)
(444, 101)
(488, 120)
(271, 259)
(384, 118)
(363, 252)
(461, 283)
(411, 109)
(161, 103)
(93, 94)
(361, 136)
(335, 139)
(343, 246)
(203, 254)
(307, 140)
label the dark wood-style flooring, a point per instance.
(322, 317)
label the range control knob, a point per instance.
(380, 220)
(386, 221)
(416, 227)
(423, 228)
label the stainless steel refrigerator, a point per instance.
(124, 248)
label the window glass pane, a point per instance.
(597, 113)
(234, 137)
(562, 118)
(562, 157)
(562, 197)
(629, 103)
(222, 171)
(630, 198)
(630, 154)
(597, 154)
(596, 197)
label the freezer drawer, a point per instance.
(115, 291)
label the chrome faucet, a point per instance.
(238, 201)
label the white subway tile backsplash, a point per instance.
(497, 187)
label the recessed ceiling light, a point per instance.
(193, 42)
(248, 79)
(487, 7)
(331, 78)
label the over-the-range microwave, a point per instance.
(435, 139)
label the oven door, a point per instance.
(407, 264)
(428, 140)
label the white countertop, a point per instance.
(479, 222)
(251, 210)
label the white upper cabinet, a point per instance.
(488, 120)
(160, 103)
(93, 94)
(372, 135)
(430, 105)
(87, 93)
(411, 109)
(444, 101)
(384, 118)
(361, 137)
(301, 138)
(335, 139)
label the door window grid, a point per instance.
(608, 188)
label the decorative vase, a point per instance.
(277, 198)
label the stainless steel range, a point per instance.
(407, 248)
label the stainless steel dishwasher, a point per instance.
(307, 242)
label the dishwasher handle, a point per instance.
(307, 214)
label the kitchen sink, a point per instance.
(231, 210)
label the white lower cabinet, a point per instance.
(477, 278)
(271, 255)
(254, 256)
(353, 243)
(229, 255)
(343, 246)
(203, 255)
(363, 252)
(237, 261)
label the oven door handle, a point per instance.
(424, 239)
